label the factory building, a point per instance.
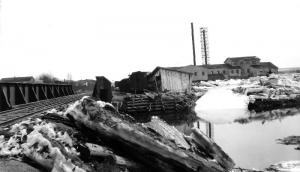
(233, 68)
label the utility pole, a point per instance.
(193, 42)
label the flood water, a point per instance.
(252, 144)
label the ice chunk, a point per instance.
(221, 105)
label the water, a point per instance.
(252, 144)
(248, 138)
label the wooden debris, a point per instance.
(97, 138)
(145, 146)
(13, 165)
(157, 103)
(290, 140)
(205, 144)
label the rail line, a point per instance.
(20, 112)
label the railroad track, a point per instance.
(20, 112)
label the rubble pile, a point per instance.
(93, 136)
(156, 103)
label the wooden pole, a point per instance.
(193, 42)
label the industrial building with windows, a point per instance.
(233, 68)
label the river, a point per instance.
(249, 138)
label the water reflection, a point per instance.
(277, 114)
(252, 142)
(206, 127)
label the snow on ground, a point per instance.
(221, 105)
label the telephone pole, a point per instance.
(193, 42)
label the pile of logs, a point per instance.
(153, 103)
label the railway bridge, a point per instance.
(12, 94)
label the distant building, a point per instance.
(251, 66)
(263, 69)
(168, 79)
(222, 71)
(233, 68)
(200, 73)
(27, 79)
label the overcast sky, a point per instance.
(114, 38)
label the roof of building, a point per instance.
(18, 79)
(216, 66)
(102, 78)
(264, 65)
(174, 69)
(240, 58)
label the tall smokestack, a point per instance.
(193, 42)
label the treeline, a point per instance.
(79, 86)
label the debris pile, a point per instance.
(290, 140)
(265, 93)
(156, 103)
(93, 136)
(271, 115)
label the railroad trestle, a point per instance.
(12, 94)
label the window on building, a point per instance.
(203, 73)
(232, 71)
(195, 73)
(224, 71)
(237, 71)
(248, 70)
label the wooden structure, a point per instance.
(124, 85)
(152, 103)
(102, 89)
(138, 82)
(12, 94)
(167, 79)
(26, 79)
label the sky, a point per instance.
(114, 38)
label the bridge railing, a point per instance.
(12, 94)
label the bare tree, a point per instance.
(47, 78)
(69, 77)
